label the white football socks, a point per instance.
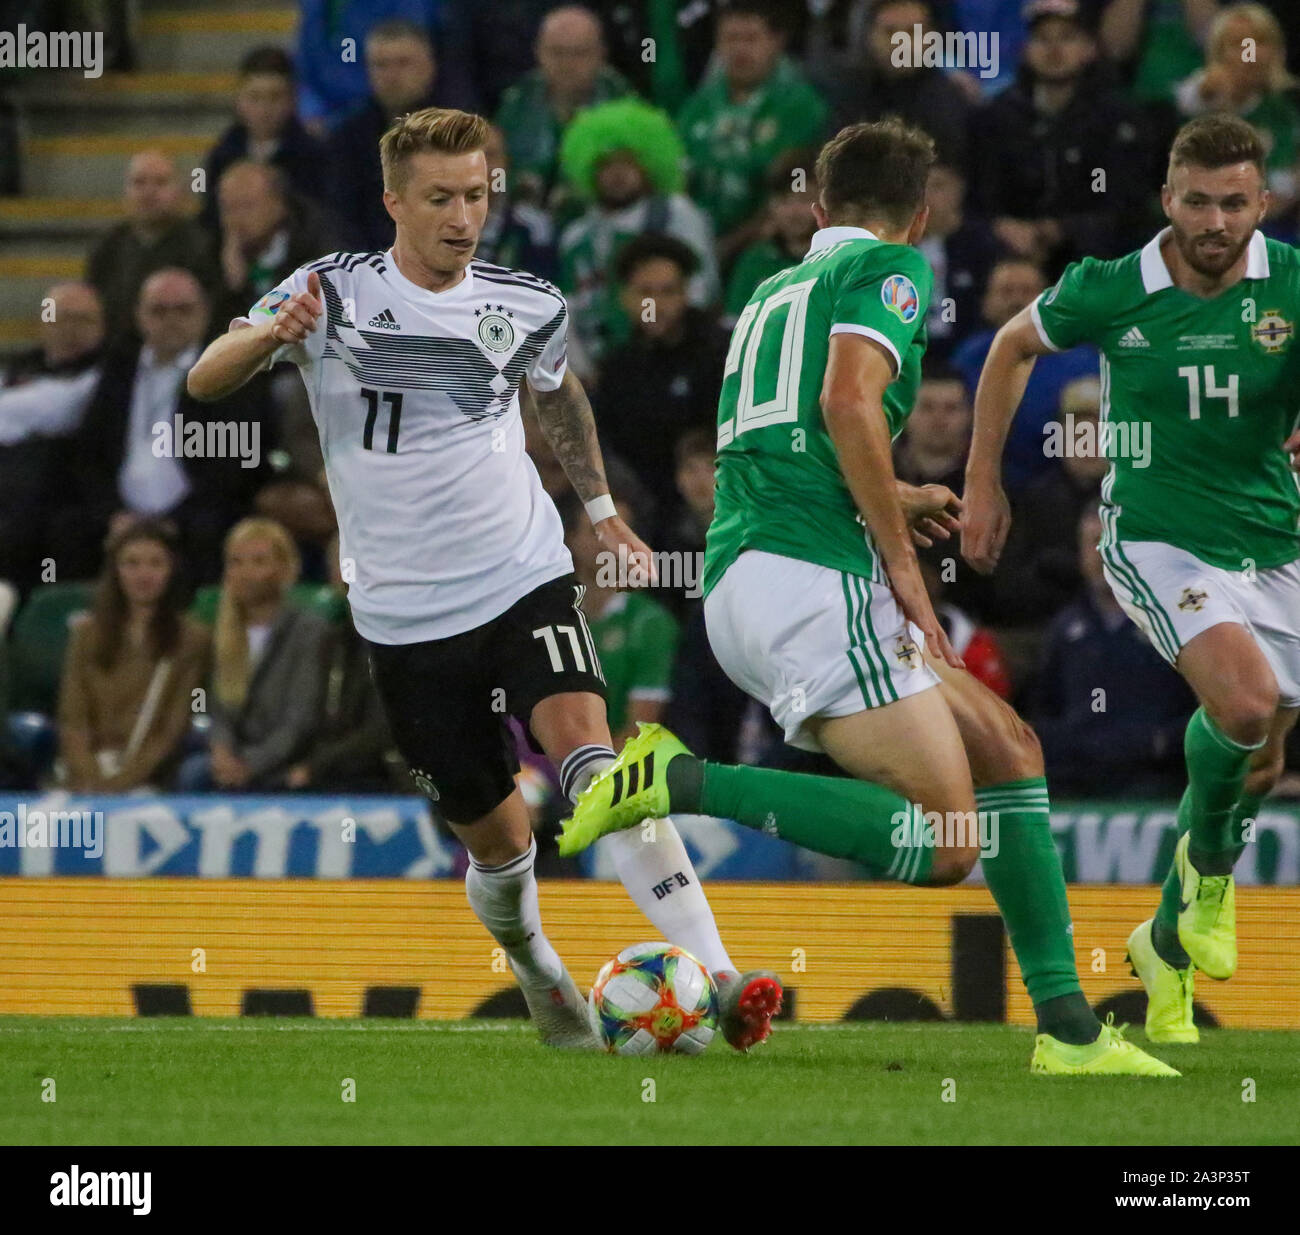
(652, 863)
(504, 899)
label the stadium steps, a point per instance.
(29, 267)
(94, 165)
(197, 39)
(79, 133)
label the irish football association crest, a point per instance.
(1272, 332)
(1193, 600)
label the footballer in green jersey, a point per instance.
(1201, 506)
(814, 605)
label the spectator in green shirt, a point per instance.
(1245, 72)
(753, 107)
(623, 158)
(1160, 41)
(572, 73)
(788, 227)
(635, 636)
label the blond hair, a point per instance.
(1267, 30)
(433, 130)
(233, 670)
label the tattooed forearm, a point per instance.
(565, 418)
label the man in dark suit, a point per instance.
(145, 447)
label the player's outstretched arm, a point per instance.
(987, 517)
(231, 360)
(857, 372)
(565, 417)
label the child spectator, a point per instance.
(787, 232)
(265, 130)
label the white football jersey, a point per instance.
(416, 398)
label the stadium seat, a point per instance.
(40, 636)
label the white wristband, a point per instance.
(601, 508)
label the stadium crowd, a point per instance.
(676, 182)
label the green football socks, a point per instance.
(837, 816)
(1023, 871)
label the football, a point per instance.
(653, 998)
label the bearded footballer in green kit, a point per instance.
(1201, 538)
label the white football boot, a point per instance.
(561, 1015)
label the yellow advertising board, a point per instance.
(92, 946)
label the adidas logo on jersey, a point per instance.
(384, 320)
(1133, 337)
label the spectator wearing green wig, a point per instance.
(625, 160)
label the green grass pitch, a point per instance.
(206, 1081)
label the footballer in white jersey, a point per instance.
(442, 519)
(415, 361)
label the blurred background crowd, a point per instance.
(179, 623)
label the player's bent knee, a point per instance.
(1247, 715)
(1023, 754)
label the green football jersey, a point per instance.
(636, 639)
(779, 483)
(1197, 398)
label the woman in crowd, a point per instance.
(1245, 72)
(269, 667)
(131, 669)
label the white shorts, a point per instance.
(1172, 596)
(809, 641)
